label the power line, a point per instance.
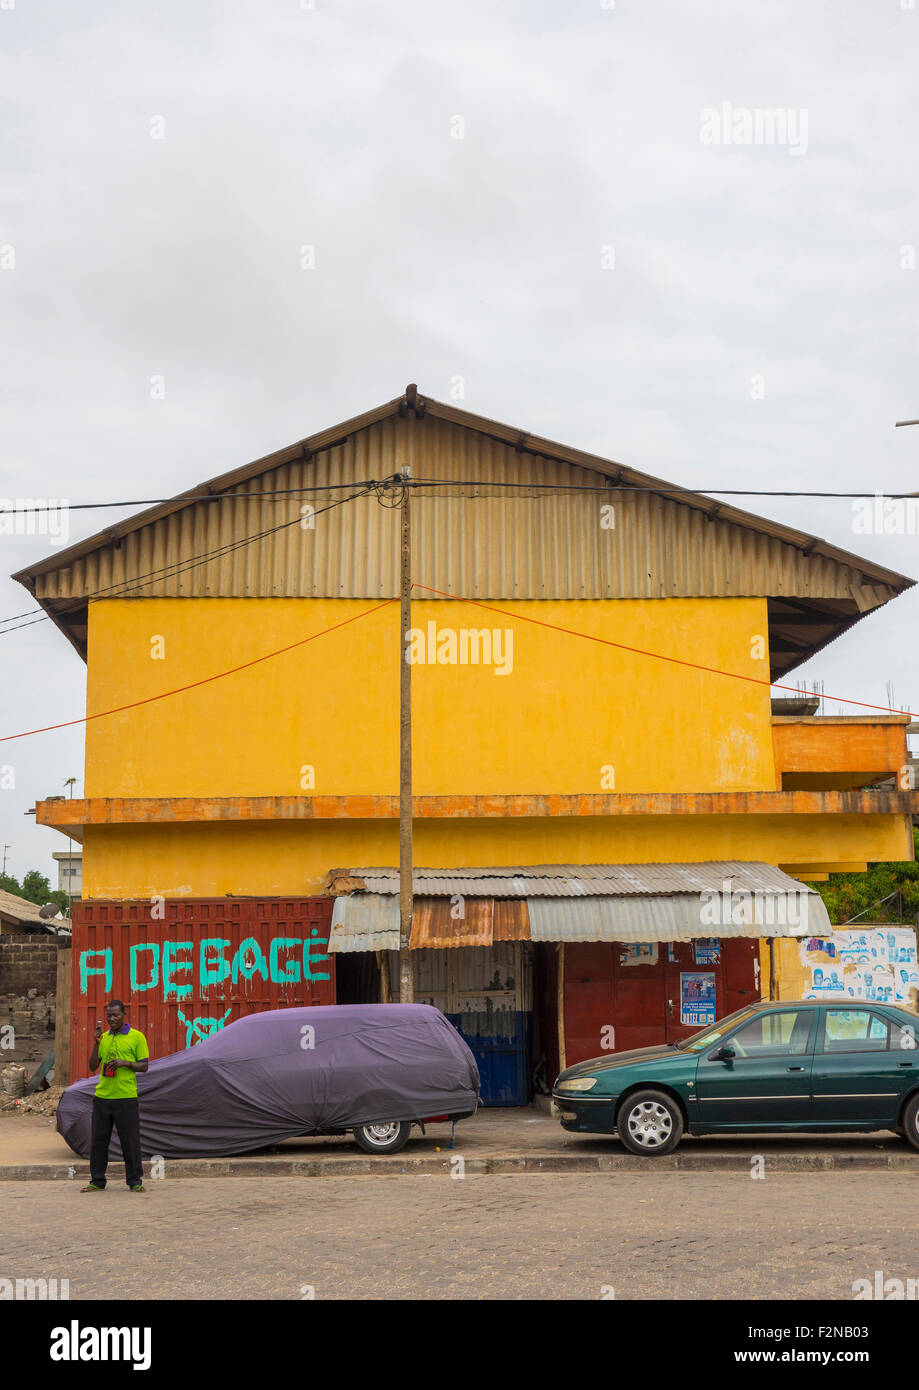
(205, 680)
(379, 487)
(62, 504)
(657, 656)
(474, 603)
(190, 562)
(704, 493)
(286, 493)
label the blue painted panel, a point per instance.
(503, 1060)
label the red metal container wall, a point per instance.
(641, 1002)
(198, 965)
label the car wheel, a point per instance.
(650, 1123)
(388, 1137)
(910, 1122)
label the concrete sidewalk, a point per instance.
(525, 1140)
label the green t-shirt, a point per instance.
(129, 1043)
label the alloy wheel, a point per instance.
(381, 1134)
(650, 1124)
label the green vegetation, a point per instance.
(35, 888)
(846, 895)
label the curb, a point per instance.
(366, 1167)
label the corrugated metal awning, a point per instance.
(676, 917)
(571, 902)
(574, 880)
(370, 922)
(442, 922)
(365, 922)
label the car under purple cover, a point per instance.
(370, 1068)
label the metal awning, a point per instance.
(370, 922)
(571, 902)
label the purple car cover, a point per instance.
(288, 1072)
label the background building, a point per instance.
(595, 746)
(69, 872)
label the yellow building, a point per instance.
(591, 650)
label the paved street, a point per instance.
(669, 1235)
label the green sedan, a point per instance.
(782, 1067)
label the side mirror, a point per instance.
(725, 1054)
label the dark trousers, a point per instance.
(125, 1116)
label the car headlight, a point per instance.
(582, 1083)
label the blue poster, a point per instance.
(707, 950)
(697, 999)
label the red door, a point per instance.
(740, 971)
(681, 960)
(640, 996)
(588, 996)
(616, 1000)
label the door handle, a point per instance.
(905, 1064)
(802, 1069)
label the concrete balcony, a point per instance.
(840, 752)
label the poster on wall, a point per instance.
(879, 984)
(828, 979)
(871, 963)
(861, 947)
(697, 999)
(901, 945)
(707, 950)
(820, 945)
(638, 953)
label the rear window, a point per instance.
(854, 1030)
(904, 1037)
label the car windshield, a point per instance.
(698, 1041)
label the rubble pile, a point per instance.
(39, 1103)
(26, 1028)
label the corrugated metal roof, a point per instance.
(586, 902)
(365, 922)
(483, 922)
(483, 540)
(583, 880)
(370, 922)
(512, 920)
(434, 925)
(673, 917)
(24, 911)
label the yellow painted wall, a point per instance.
(567, 709)
(293, 857)
(788, 970)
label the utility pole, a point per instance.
(406, 864)
(70, 783)
(3, 870)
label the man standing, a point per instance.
(123, 1052)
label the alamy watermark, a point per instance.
(29, 1290)
(885, 516)
(48, 517)
(464, 646)
(754, 125)
(752, 907)
(887, 1290)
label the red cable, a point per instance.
(696, 666)
(149, 699)
(456, 598)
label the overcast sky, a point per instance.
(604, 258)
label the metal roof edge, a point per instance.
(111, 535)
(483, 425)
(703, 502)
